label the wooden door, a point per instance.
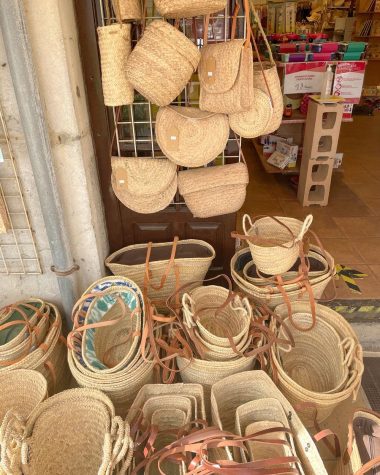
(125, 226)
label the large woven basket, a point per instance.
(190, 137)
(144, 185)
(123, 382)
(356, 460)
(188, 8)
(162, 53)
(73, 432)
(114, 47)
(21, 391)
(214, 191)
(230, 393)
(269, 291)
(191, 261)
(323, 403)
(275, 242)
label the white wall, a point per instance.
(53, 38)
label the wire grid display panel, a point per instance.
(18, 253)
(135, 126)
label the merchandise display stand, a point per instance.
(320, 144)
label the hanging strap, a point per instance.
(148, 274)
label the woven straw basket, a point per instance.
(190, 137)
(188, 8)
(115, 47)
(214, 191)
(163, 53)
(268, 290)
(129, 9)
(275, 242)
(230, 393)
(21, 391)
(192, 260)
(192, 392)
(324, 403)
(354, 464)
(122, 382)
(144, 185)
(73, 432)
(4, 219)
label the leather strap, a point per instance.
(147, 276)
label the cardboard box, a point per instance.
(287, 149)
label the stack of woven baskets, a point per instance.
(75, 431)
(279, 265)
(104, 344)
(218, 324)
(31, 338)
(323, 367)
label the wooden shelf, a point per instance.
(298, 118)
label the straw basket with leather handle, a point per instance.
(167, 265)
(115, 45)
(275, 241)
(144, 185)
(188, 8)
(75, 431)
(214, 191)
(230, 393)
(190, 137)
(225, 72)
(129, 9)
(332, 386)
(162, 63)
(363, 448)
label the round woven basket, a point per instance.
(255, 121)
(74, 432)
(115, 47)
(234, 391)
(190, 137)
(129, 9)
(188, 8)
(162, 63)
(324, 403)
(263, 233)
(21, 391)
(144, 185)
(192, 262)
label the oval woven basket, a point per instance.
(231, 392)
(190, 137)
(21, 391)
(323, 403)
(162, 53)
(75, 431)
(192, 261)
(275, 242)
(188, 8)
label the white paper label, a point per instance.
(173, 138)
(210, 74)
(122, 182)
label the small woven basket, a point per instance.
(230, 393)
(188, 8)
(192, 260)
(214, 191)
(65, 427)
(275, 242)
(163, 52)
(129, 9)
(190, 137)
(115, 47)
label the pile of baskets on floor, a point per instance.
(280, 265)
(31, 338)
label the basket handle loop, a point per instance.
(305, 227)
(188, 310)
(165, 275)
(328, 433)
(246, 218)
(349, 346)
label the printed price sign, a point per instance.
(348, 82)
(304, 78)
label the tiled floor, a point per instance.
(350, 225)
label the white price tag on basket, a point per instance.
(1, 156)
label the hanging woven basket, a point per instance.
(188, 8)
